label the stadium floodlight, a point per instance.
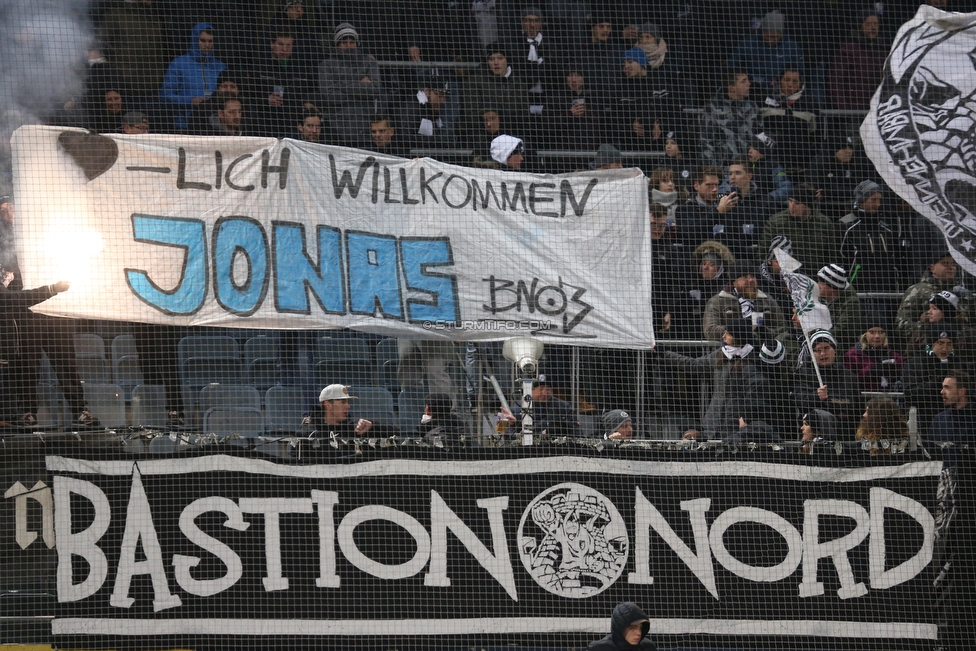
(525, 353)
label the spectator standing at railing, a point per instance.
(877, 365)
(681, 160)
(769, 177)
(859, 65)
(736, 410)
(276, 85)
(430, 115)
(873, 251)
(741, 298)
(836, 172)
(537, 53)
(351, 86)
(643, 110)
(812, 236)
(577, 116)
(600, 57)
(192, 77)
(789, 119)
(667, 266)
(497, 86)
(730, 121)
(842, 302)
(837, 393)
(706, 276)
(764, 57)
(737, 220)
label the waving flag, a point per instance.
(805, 292)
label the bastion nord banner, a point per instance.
(267, 233)
(231, 546)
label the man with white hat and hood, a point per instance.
(508, 151)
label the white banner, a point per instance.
(920, 130)
(266, 233)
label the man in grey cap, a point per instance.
(351, 83)
(608, 157)
(135, 122)
(618, 425)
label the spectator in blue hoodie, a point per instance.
(765, 56)
(192, 77)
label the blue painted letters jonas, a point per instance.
(350, 273)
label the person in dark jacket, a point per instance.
(838, 393)
(736, 410)
(439, 419)
(925, 371)
(628, 630)
(13, 310)
(351, 83)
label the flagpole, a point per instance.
(813, 358)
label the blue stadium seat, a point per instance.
(107, 403)
(126, 371)
(205, 360)
(375, 404)
(226, 421)
(149, 406)
(410, 405)
(261, 364)
(284, 407)
(229, 395)
(350, 372)
(342, 348)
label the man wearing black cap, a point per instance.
(741, 298)
(844, 305)
(352, 86)
(426, 120)
(812, 235)
(873, 249)
(550, 415)
(836, 172)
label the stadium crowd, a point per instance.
(735, 112)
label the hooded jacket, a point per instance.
(190, 75)
(623, 616)
(727, 128)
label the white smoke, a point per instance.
(43, 62)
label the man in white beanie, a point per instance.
(842, 302)
(508, 151)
